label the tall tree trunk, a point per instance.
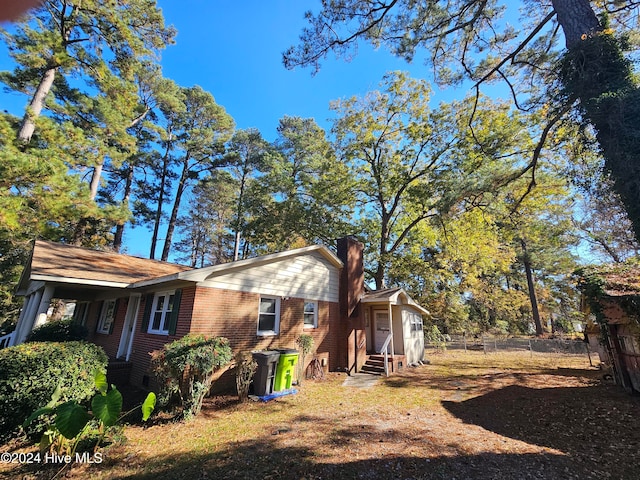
(532, 289)
(119, 235)
(81, 227)
(174, 211)
(35, 106)
(95, 180)
(596, 72)
(158, 216)
(239, 213)
(577, 19)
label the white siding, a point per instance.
(413, 340)
(309, 276)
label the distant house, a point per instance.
(132, 306)
(619, 302)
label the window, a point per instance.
(269, 316)
(416, 323)
(161, 312)
(310, 314)
(80, 313)
(107, 315)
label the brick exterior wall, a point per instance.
(144, 343)
(234, 315)
(216, 312)
(110, 341)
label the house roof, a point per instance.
(393, 296)
(55, 262)
(202, 274)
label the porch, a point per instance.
(375, 364)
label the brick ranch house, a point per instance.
(132, 306)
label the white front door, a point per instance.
(128, 330)
(382, 328)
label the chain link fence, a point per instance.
(491, 344)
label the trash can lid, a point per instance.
(287, 351)
(266, 353)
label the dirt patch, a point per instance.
(467, 415)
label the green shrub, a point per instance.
(58, 331)
(246, 366)
(71, 424)
(305, 343)
(31, 372)
(185, 368)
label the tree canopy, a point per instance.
(482, 41)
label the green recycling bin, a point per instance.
(285, 370)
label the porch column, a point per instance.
(391, 327)
(45, 301)
(37, 313)
(29, 317)
(21, 320)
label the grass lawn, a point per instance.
(466, 415)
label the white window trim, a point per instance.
(104, 323)
(276, 330)
(416, 323)
(315, 314)
(162, 329)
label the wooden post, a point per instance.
(589, 354)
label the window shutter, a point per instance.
(100, 306)
(115, 315)
(173, 318)
(148, 303)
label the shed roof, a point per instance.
(619, 280)
(56, 262)
(393, 296)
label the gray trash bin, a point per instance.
(263, 379)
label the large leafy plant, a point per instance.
(71, 421)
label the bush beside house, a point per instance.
(66, 330)
(31, 372)
(185, 367)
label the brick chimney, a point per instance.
(352, 343)
(352, 276)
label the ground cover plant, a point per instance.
(468, 414)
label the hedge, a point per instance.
(58, 331)
(30, 373)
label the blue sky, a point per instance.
(234, 50)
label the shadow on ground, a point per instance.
(597, 426)
(263, 460)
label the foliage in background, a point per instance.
(31, 372)
(184, 369)
(435, 338)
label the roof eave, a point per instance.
(78, 281)
(158, 280)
